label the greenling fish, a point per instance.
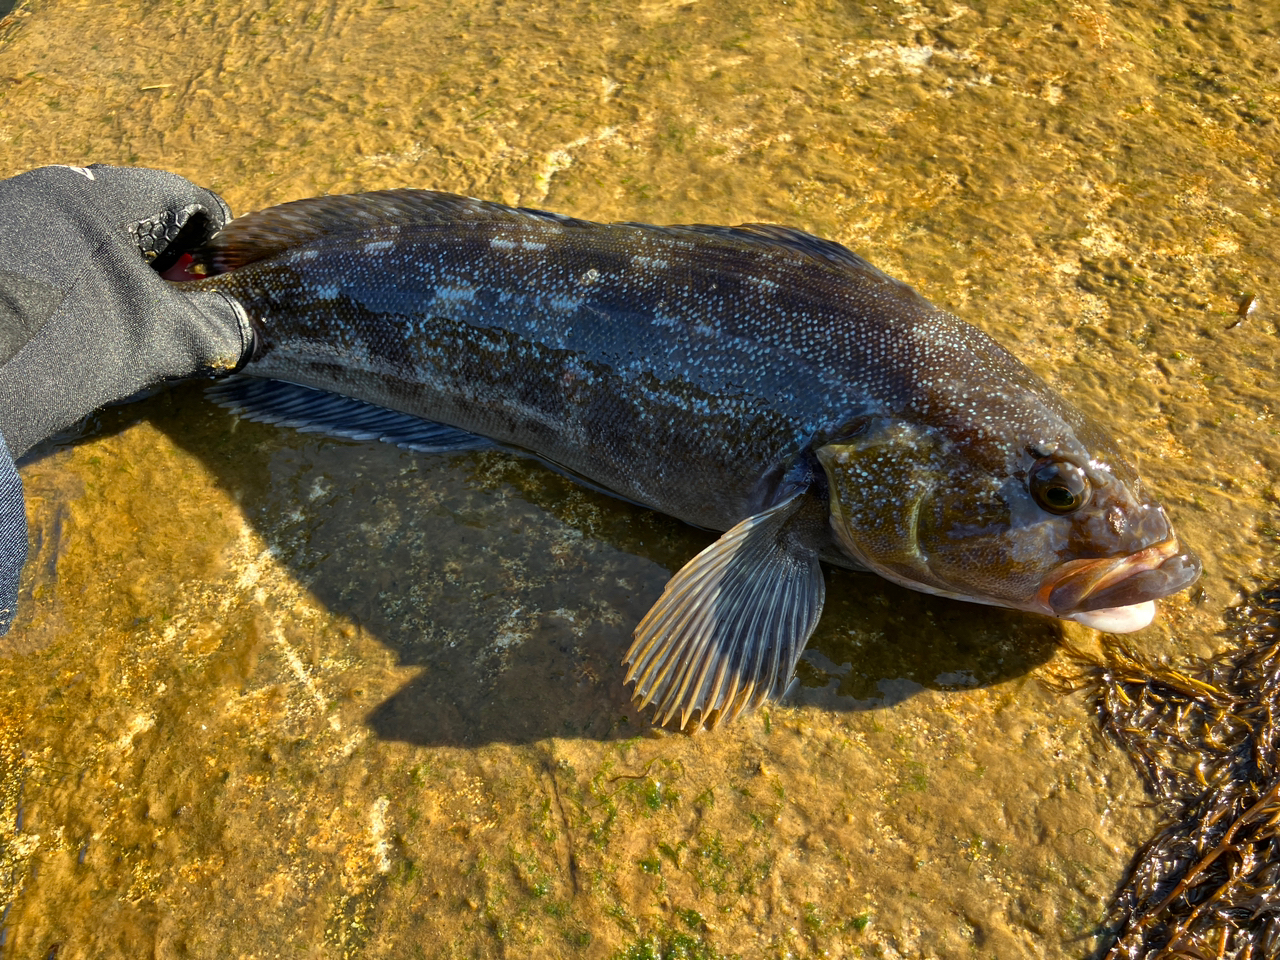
(755, 380)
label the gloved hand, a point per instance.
(85, 317)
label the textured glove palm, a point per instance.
(85, 318)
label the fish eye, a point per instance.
(1058, 486)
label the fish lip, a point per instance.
(1149, 574)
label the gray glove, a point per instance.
(85, 318)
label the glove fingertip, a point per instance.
(229, 337)
(158, 209)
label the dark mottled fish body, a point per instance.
(686, 371)
(755, 380)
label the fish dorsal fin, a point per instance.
(799, 241)
(730, 626)
(266, 233)
(772, 237)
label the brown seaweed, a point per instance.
(1206, 741)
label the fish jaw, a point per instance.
(1118, 594)
(1118, 619)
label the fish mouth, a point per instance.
(1107, 583)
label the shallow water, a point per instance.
(272, 694)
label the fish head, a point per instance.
(1057, 525)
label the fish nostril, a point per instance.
(1153, 524)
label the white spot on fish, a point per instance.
(589, 277)
(460, 293)
(641, 262)
(563, 302)
(502, 243)
(379, 245)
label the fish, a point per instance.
(756, 381)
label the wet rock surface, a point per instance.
(272, 694)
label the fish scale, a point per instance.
(755, 380)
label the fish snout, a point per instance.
(1080, 587)
(1121, 528)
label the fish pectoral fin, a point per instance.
(317, 411)
(727, 632)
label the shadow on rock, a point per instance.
(516, 590)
